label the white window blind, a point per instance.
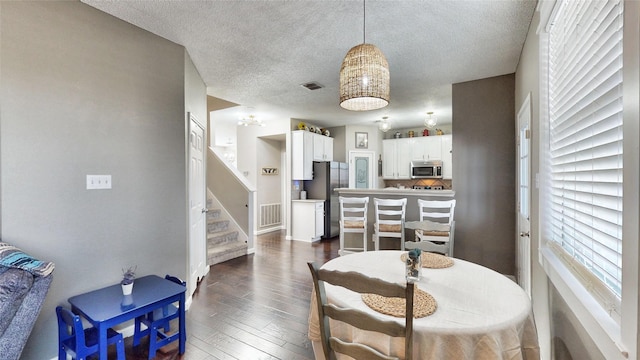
(585, 114)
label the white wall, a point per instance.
(249, 166)
(85, 93)
(269, 186)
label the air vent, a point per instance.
(312, 86)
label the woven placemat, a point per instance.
(423, 304)
(431, 260)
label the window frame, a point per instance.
(616, 340)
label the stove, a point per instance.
(427, 187)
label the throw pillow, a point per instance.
(11, 256)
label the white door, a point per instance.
(523, 242)
(361, 170)
(197, 201)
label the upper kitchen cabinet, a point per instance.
(322, 148)
(426, 148)
(447, 157)
(301, 155)
(396, 159)
(308, 147)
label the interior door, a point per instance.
(523, 242)
(361, 169)
(197, 208)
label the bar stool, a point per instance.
(353, 219)
(439, 211)
(389, 220)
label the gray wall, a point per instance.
(484, 171)
(85, 93)
(528, 84)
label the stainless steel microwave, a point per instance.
(430, 169)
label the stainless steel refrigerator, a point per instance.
(328, 176)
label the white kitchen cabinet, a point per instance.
(447, 156)
(308, 147)
(396, 158)
(301, 155)
(322, 148)
(307, 220)
(426, 148)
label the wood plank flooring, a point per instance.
(253, 307)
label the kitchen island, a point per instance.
(412, 213)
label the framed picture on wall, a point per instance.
(362, 140)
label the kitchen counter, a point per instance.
(397, 192)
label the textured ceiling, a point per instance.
(258, 53)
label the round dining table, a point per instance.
(480, 314)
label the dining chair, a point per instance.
(158, 324)
(353, 219)
(76, 341)
(364, 285)
(439, 211)
(389, 220)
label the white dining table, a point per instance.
(480, 313)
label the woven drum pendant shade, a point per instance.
(364, 79)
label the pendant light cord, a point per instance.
(364, 21)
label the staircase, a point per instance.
(222, 242)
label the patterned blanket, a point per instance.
(11, 256)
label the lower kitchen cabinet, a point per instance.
(307, 217)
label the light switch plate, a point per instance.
(98, 182)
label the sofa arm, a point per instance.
(17, 333)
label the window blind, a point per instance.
(585, 134)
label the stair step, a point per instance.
(217, 225)
(222, 237)
(223, 252)
(213, 214)
(222, 243)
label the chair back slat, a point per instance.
(437, 210)
(358, 351)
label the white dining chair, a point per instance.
(353, 220)
(439, 211)
(354, 347)
(390, 214)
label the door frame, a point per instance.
(523, 183)
(372, 174)
(196, 247)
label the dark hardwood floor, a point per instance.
(252, 307)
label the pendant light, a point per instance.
(364, 77)
(384, 125)
(430, 121)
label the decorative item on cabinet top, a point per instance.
(313, 129)
(269, 171)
